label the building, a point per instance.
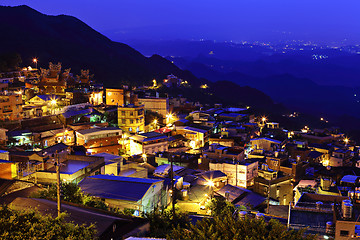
(10, 106)
(198, 135)
(113, 96)
(131, 118)
(240, 173)
(73, 168)
(48, 104)
(241, 197)
(96, 97)
(148, 143)
(99, 139)
(53, 80)
(316, 213)
(270, 184)
(266, 144)
(139, 194)
(158, 105)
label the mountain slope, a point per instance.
(72, 42)
(75, 44)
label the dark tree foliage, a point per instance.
(219, 207)
(163, 222)
(71, 192)
(226, 227)
(33, 225)
(9, 61)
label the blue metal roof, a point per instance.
(72, 113)
(115, 187)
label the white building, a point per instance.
(148, 143)
(239, 174)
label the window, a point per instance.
(123, 121)
(123, 113)
(131, 121)
(344, 233)
(131, 113)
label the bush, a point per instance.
(33, 225)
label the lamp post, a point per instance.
(35, 61)
(57, 166)
(211, 184)
(53, 104)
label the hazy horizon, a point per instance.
(259, 20)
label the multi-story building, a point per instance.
(131, 118)
(148, 143)
(114, 96)
(240, 174)
(10, 106)
(98, 140)
(96, 98)
(158, 105)
(198, 135)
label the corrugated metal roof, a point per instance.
(116, 187)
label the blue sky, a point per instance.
(326, 20)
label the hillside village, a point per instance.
(139, 148)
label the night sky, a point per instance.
(319, 20)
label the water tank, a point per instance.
(319, 205)
(298, 158)
(186, 185)
(184, 194)
(357, 194)
(347, 210)
(329, 228)
(242, 214)
(345, 201)
(259, 216)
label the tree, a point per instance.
(227, 227)
(219, 207)
(163, 222)
(32, 225)
(71, 192)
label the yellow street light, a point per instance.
(210, 183)
(35, 61)
(346, 141)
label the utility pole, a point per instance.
(268, 198)
(172, 186)
(57, 164)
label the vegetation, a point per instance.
(71, 192)
(163, 222)
(10, 62)
(32, 225)
(225, 226)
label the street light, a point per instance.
(263, 119)
(35, 61)
(211, 184)
(53, 103)
(346, 141)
